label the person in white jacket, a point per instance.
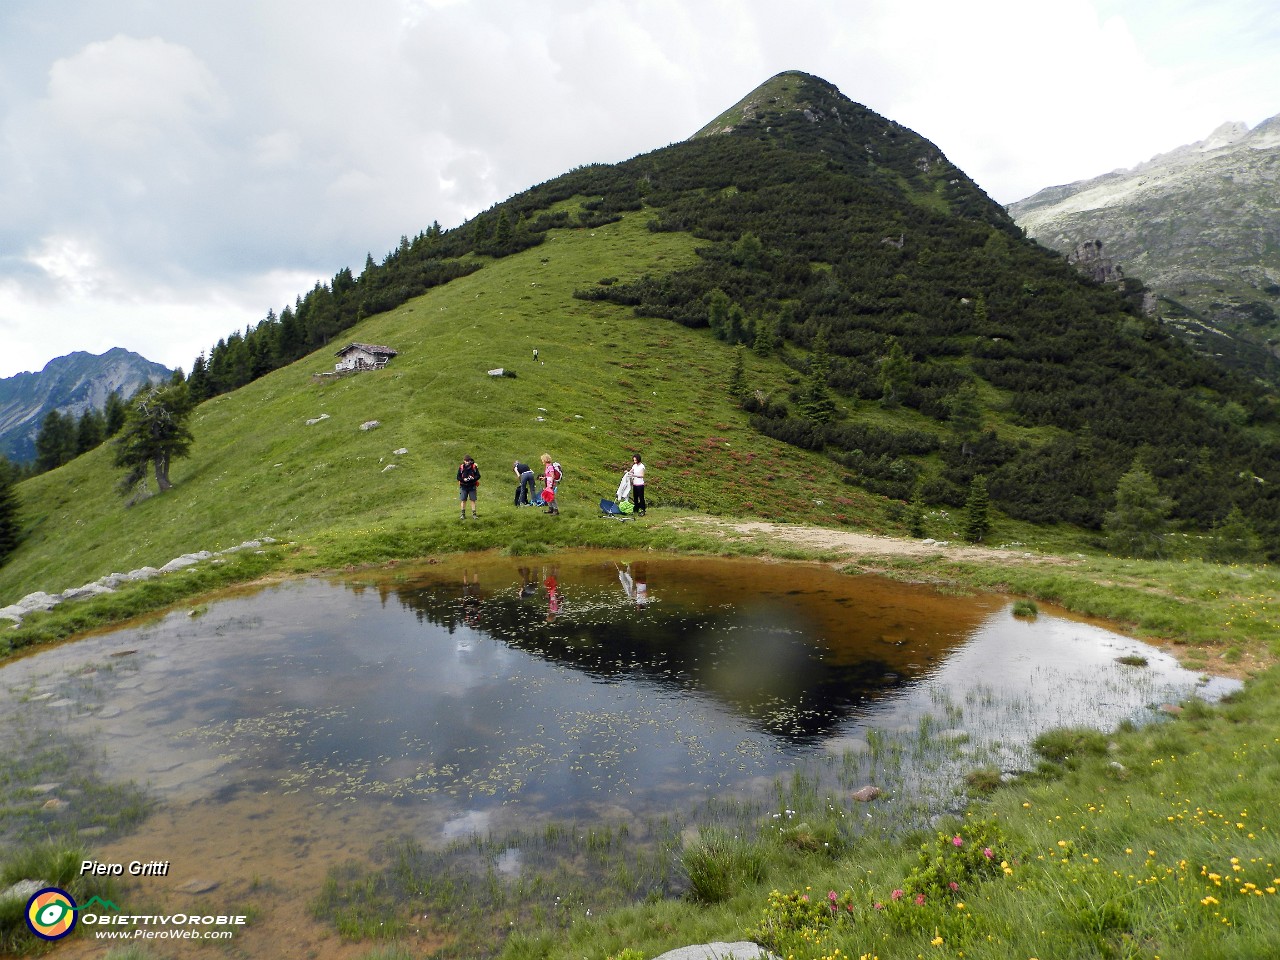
(636, 473)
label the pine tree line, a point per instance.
(63, 437)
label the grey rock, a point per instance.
(742, 950)
(319, 419)
(199, 886)
(79, 593)
(370, 425)
(22, 891)
(37, 601)
(177, 563)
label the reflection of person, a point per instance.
(640, 572)
(527, 586)
(553, 595)
(471, 598)
(637, 484)
(634, 582)
(524, 483)
(550, 481)
(468, 481)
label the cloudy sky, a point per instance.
(172, 169)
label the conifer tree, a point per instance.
(114, 414)
(155, 432)
(56, 441)
(198, 385)
(1234, 539)
(1139, 524)
(915, 514)
(89, 431)
(718, 304)
(965, 414)
(977, 511)
(815, 400)
(738, 325)
(895, 375)
(766, 338)
(502, 232)
(10, 532)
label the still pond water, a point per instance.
(494, 693)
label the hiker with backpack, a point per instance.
(551, 474)
(468, 481)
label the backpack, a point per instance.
(558, 473)
(625, 506)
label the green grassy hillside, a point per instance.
(606, 384)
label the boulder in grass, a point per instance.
(742, 950)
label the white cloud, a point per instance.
(168, 325)
(132, 94)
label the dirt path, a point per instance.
(857, 545)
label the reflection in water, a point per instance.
(465, 697)
(777, 646)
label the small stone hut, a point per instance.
(363, 356)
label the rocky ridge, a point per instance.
(71, 385)
(1198, 226)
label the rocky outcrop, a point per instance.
(38, 601)
(1089, 259)
(1197, 225)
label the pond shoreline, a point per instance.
(1129, 595)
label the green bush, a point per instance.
(720, 864)
(1067, 746)
(953, 862)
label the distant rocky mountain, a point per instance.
(1199, 225)
(71, 385)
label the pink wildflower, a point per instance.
(953, 885)
(986, 852)
(832, 896)
(896, 895)
(919, 899)
(877, 905)
(957, 842)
